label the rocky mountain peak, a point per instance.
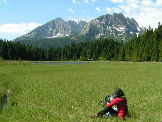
(115, 26)
(55, 28)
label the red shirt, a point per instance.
(121, 104)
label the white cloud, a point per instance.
(132, 1)
(86, 1)
(159, 3)
(117, 1)
(145, 12)
(108, 10)
(21, 28)
(75, 1)
(116, 10)
(149, 16)
(71, 10)
(98, 9)
(4, 1)
(93, 0)
(147, 3)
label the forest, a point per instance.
(146, 47)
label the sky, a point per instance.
(18, 17)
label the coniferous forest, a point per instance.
(146, 47)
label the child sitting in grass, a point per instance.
(121, 104)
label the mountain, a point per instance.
(76, 26)
(58, 33)
(55, 28)
(115, 26)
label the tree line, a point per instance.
(146, 47)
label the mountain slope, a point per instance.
(55, 28)
(115, 26)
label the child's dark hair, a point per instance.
(119, 92)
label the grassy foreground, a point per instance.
(70, 93)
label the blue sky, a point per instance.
(21, 16)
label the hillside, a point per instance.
(115, 26)
(58, 33)
(55, 28)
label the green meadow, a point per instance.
(71, 93)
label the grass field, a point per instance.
(70, 93)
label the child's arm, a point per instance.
(112, 103)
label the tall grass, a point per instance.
(72, 92)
